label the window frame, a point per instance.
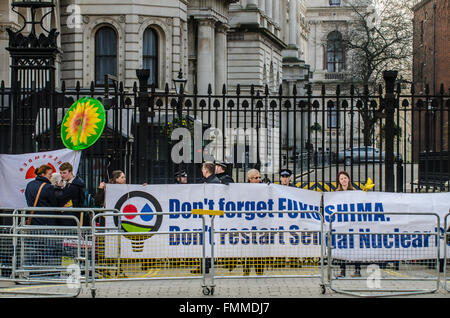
(97, 56)
(335, 47)
(154, 57)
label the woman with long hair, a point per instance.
(344, 183)
(117, 177)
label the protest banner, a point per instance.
(246, 207)
(17, 170)
(374, 223)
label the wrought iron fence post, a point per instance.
(142, 104)
(389, 78)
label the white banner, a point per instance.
(17, 170)
(284, 210)
(373, 239)
(267, 207)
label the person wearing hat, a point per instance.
(285, 177)
(221, 168)
(181, 177)
(295, 262)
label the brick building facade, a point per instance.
(431, 56)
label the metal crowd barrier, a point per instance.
(34, 256)
(295, 253)
(446, 250)
(145, 254)
(407, 272)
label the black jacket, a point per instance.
(47, 198)
(74, 192)
(224, 178)
(99, 200)
(212, 179)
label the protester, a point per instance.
(117, 177)
(208, 171)
(253, 176)
(40, 193)
(224, 178)
(73, 194)
(344, 183)
(181, 177)
(221, 173)
(57, 183)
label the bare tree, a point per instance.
(379, 38)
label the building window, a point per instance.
(150, 55)
(105, 54)
(422, 30)
(335, 3)
(335, 52)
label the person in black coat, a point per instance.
(222, 174)
(47, 197)
(41, 249)
(73, 194)
(208, 171)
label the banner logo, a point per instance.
(139, 202)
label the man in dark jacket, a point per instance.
(208, 171)
(47, 197)
(221, 173)
(73, 194)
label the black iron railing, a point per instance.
(385, 135)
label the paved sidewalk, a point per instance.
(225, 288)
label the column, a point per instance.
(276, 11)
(221, 78)
(252, 3)
(220, 57)
(269, 8)
(293, 23)
(205, 55)
(262, 5)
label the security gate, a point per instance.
(384, 263)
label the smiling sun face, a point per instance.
(82, 122)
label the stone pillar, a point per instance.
(252, 3)
(220, 57)
(205, 56)
(293, 23)
(269, 8)
(276, 11)
(262, 5)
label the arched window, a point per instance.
(335, 52)
(150, 55)
(105, 54)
